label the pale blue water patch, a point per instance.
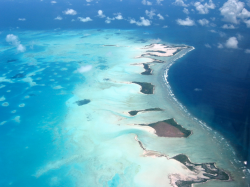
(30, 132)
(115, 181)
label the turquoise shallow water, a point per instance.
(49, 140)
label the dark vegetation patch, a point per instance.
(148, 70)
(211, 171)
(146, 88)
(19, 75)
(82, 102)
(169, 128)
(134, 112)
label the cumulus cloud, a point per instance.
(100, 14)
(233, 11)
(228, 26)
(186, 22)
(84, 69)
(208, 46)
(159, 1)
(247, 51)
(53, 2)
(108, 20)
(119, 16)
(21, 19)
(158, 40)
(247, 22)
(180, 3)
(204, 8)
(186, 11)
(145, 2)
(70, 12)
(58, 18)
(142, 22)
(84, 19)
(13, 40)
(232, 42)
(203, 22)
(165, 26)
(160, 16)
(220, 46)
(150, 14)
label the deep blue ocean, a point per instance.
(213, 84)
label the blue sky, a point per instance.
(230, 19)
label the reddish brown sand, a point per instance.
(164, 129)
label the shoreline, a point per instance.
(101, 132)
(164, 74)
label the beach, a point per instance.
(123, 124)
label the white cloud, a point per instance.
(53, 2)
(119, 16)
(160, 16)
(232, 42)
(186, 22)
(21, 19)
(89, 1)
(186, 11)
(84, 19)
(220, 46)
(180, 3)
(204, 8)
(70, 12)
(159, 1)
(239, 36)
(247, 51)
(108, 20)
(142, 22)
(247, 22)
(233, 11)
(208, 46)
(158, 40)
(203, 22)
(150, 14)
(13, 40)
(58, 18)
(228, 26)
(100, 14)
(165, 26)
(145, 2)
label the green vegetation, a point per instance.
(148, 70)
(147, 88)
(134, 112)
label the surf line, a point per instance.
(169, 128)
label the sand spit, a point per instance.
(149, 153)
(200, 172)
(101, 132)
(204, 172)
(162, 50)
